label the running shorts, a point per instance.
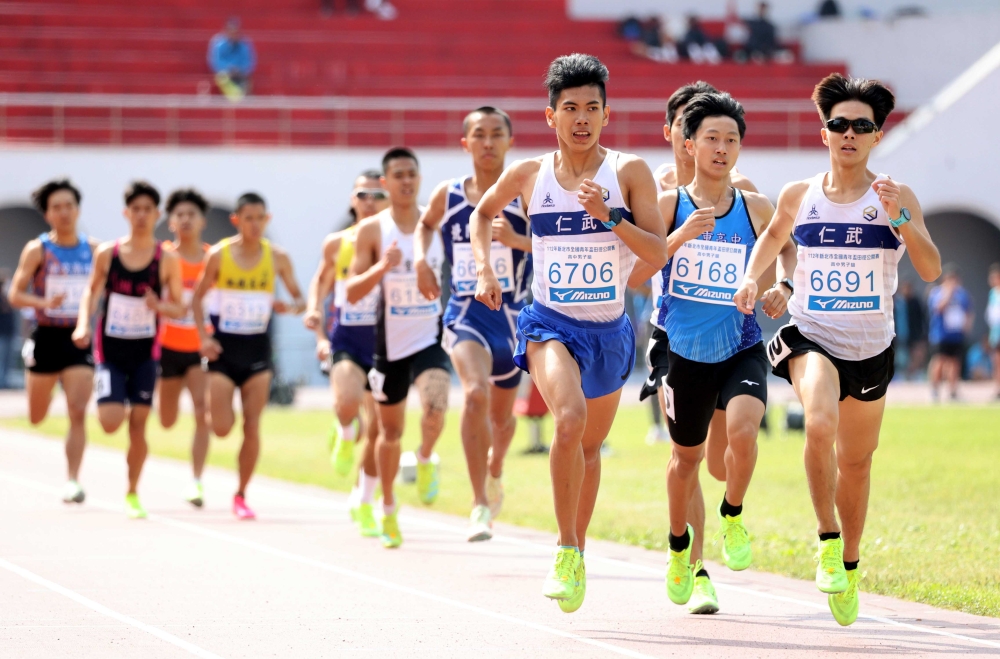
(390, 381)
(175, 364)
(467, 319)
(114, 383)
(243, 356)
(51, 350)
(949, 349)
(343, 356)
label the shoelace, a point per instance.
(829, 558)
(564, 566)
(854, 584)
(732, 532)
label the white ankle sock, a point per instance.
(367, 487)
(387, 509)
(349, 432)
(421, 459)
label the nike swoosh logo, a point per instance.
(865, 391)
(532, 337)
(748, 382)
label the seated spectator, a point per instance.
(696, 46)
(735, 34)
(763, 39)
(232, 59)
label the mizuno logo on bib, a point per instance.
(706, 271)
(579, 273)
(844, 281)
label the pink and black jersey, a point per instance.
(128, 327)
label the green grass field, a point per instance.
(933, 530)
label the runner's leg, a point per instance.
(347, 383)
(857, 439)
(196, 381)
(220, 403)
(472, 363)
(369, 463)
(78, 384)
(39, 388)
(138, 448)
(716, 445)
(682, 486)
(254, 395)
(743, 415)
(111, 416)
(391, 422)
(432, 386)
(600, 415)
(168, 400)
(503, 424)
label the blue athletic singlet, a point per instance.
(696, 308)
(63, 271)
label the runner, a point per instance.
(407, 333)
(140, 282)
(480, 341)
(347, 349)
(851, 226)
(715, 357)
(993, 322)
(50, 279)
(243, 269)
(180, 361)
(950, 308)
(593, 212)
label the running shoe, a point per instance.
(195, 494)
(428, 479)
(703, 598)
(680, 572)
(342, 456)
(241, 510)
(364, 517)
(735, 541)
(844, 606)
(133, 508)
(391, 537)
(480, 526)
(494, 494)
(575, 602)
(561, 582)
(831, 577)
(73, 493)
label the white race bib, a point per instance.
(403, 298)
(581, 273)
(72, 286)
(187, 322)
(954, 318)
(707, 271)
(361, 312)
(843, 281)
(129, 318)
(244, 312)
(463, 267)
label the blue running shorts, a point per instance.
(467, 319)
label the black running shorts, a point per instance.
(51, 350)
(175, 364)
(390, 381)
(243, 356)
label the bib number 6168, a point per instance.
(716, 271)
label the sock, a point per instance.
(829, 536)
(421, 459)
(701, 573)
(577, 549)
(387, 509)
(851, 565)
(349, 432)
(729, 510)
(240, 494)
(367, 486)
(679, 543)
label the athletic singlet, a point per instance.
(180, 334)
(245, 297)
(509, 265)
(63, 270)
(846, 273)
(358, 316)
(697, 309)
(128, 327)
(406, 321)
(580, 267)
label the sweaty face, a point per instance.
(186, 220)
(578, 117)
(716, 146)
(142, 214)
(850, 147)
(251, 221)
(62, 211)
(402, 180)
(368, 206)
(487, 139)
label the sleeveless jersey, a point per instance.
(406, 321)
(245, 298)
(63, 271)
(580, 267)
(509, 265)
(129, 328)
(348, 317)
(846, 273)
(180, 334)
(697, 309)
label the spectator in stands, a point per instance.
(763, 39)
(993, 322)
(951, 321)
(9, 324)
(735, 34)
(696, 46)
(232, 58)
(911, 324)
(829, 9)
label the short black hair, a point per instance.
(248, 198)
(42, 194)
(683, 95)
(395, 153)
(576, 70)
(487, 110)
(836, 88)
(138, 189)
(719, 104)
(186, 195)
(370, 173)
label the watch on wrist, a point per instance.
(787, 283)
(904, 217)
(614, 219)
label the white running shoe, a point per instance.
(494, 494)
(479, 524)
(73, 493)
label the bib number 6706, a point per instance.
(588, 273)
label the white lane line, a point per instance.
(103, 610)
(305, 560)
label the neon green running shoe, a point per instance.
(342, 456)
(831, 577)
(480, 524)
(133, 508)
(428, 479)
(575, 602)
(735, 541)
(195, 494)
(703, 598)
(391, 537)
(364, 517)
(680, 573)
(561, 583)
(844, 606)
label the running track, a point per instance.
(87, 582)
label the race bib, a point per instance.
(244, 312)
(71, 287)
(843, 281)
(361, 312)
(129, 318)
(954, 318)
(706, 271)
(187, 322)
(403, 298)
(463, 267)
(581, 273)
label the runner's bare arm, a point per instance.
(321, 283)
(27, 266)
(741, 182)
(430, 222)
(283, 266)
(209, 347)
(503, 232)
(641, 273)
(170, 279)
(367, 267)
(924, 255)
(92, 294)
(773, 298)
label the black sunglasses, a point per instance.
(376, 194)
(860, 126)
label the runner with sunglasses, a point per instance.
(852, 227)
(345, 345)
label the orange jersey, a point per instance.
(180, 334)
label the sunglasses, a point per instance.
(372, 193)
(860, 126)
